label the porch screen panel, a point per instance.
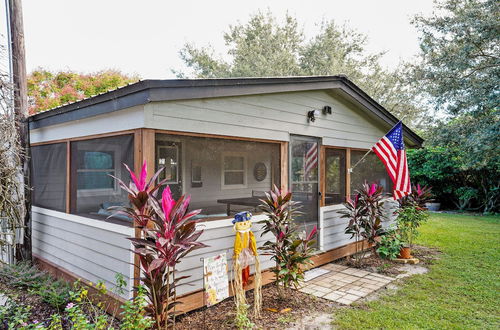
(48, 176)
(335, 171)
(92, 164)
(222, 176)
(370, 170)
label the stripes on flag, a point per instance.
(391, 151)
(311, 159)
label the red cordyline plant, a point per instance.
(356, 213)
(168, 233)
(290, 250)
(419, 197)
(365, 214)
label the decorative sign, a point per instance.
(216, 281)
(260, 171)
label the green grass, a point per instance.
(461, 290)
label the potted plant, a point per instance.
(409, 218)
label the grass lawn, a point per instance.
(461, 290)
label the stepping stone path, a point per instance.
(345, 285)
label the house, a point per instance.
(222, 141)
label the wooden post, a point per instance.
(16, 42)
(284, 165)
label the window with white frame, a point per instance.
(233, 170)
(94, 171)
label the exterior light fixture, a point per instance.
(311, 115)
(327, 110)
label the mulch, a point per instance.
(222, 315)
(373, 263)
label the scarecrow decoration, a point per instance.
(245, 252)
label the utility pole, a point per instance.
(18, 62)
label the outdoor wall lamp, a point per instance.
(311, 114)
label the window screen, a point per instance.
(49, 176)
(335, 171)
(222, 176)
(93, 162)
(370, 170)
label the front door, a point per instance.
(304, 178)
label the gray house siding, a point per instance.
(84, 246)
(272, 117)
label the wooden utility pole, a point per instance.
(18, 60)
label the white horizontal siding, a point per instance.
(126, 119)
(91, 249)
(332, 225)
(270, 116)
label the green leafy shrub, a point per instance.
(133, 315)
(390, 244)
(409, 218)
(290, 250)
(14, 315)
(54, 292)
(22, 274)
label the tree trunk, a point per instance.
(23, 252)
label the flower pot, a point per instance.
(433, 206)
(405, 253)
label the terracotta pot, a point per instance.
(405, 253)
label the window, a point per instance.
(93, 162)
(370, 170)
(335, 172)
(48, 176)
(222, 176)
(94, 170)
(233, 171)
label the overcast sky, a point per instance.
(144, 37)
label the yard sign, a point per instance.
(216, 282)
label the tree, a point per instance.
(459, 71)
(460, 53)
(47, 89)
(263, 47)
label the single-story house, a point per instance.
(222, 141)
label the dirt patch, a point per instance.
(373, 263)
(221, 316)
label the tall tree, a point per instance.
(460, 73)
(47, 89)
(460, 52)
(263, 47)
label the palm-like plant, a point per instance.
(168, 234)
(290, 250)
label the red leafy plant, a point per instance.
(419, 196)
(365, 215)
(291, 249)
(168, 233)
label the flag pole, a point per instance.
(366, 154)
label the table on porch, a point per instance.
(253, 201)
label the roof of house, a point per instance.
(146, 91)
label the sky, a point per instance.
(144, 37)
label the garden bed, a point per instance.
(373, 263)
(222, 315)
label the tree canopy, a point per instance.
(460, 53)
(47, 89)
(264, 47)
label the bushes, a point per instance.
(455, 183)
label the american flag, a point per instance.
(311, 159)
(391, 150)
